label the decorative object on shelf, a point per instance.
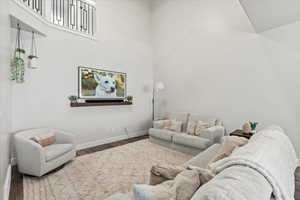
(129, 98)
(73, 98)
(18, 63)
(158, 86)
(101, 84)
(246, 128)
(33, 58)
(253, 126)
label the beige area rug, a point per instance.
(99, 175)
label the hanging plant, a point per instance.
(17, 63)
(33, 58)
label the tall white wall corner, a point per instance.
(7, 184)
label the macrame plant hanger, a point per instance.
(33, 54)
(18, 63)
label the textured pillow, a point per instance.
(167, 124)
(191, 128)
(228, 145)
(182, 187)
(176, 126)
(44, 139)
(205, 175)
(162, 173)
(200, 127)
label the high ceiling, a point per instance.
(268, 14)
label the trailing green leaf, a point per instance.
(21, 50)
(17, 70)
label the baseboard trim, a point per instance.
(110, 140)
(7, 184)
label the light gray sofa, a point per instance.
(33, 159)
(184, 142)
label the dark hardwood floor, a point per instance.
(16, 190)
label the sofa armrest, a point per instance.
(30, 155)
(215, 133)
(158, 124)
(63, 137)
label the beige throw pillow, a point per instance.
(228, 145)
(173, 125)
(183, 187)
(44, 139)
(200, 127)
(162, 173)
(167, 124)
(191, 128)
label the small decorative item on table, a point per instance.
(248, 130)
(253, 126)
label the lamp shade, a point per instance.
(159, 86)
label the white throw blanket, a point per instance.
(270, 153)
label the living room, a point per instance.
(233, 60)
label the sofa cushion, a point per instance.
(176, 126)
(200, 127)
(191, 141)
(228, 145)
(161, 134)
(56, 150)
(203, 158)
(180, 117)
(212, 121)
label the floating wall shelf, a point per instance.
(100, 104)
(24, 27)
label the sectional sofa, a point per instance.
(251, 172)
(183, 142)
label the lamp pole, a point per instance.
(156, 88)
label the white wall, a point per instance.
(212, 62)
(5, 92)
(123, 44)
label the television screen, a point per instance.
(101, 84)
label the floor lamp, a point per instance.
(158, 86)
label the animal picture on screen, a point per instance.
(101, 84)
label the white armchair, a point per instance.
(33, 159)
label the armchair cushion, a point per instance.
(191, 141)
(56, 150)
(45, 139)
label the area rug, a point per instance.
(98, 175)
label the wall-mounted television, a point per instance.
(101, 84)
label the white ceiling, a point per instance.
(268, 14)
